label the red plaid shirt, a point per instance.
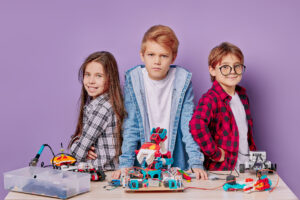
(213, 125)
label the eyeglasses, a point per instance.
(238, 69)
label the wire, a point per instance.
(223, 174)
(209, 188)
(255, 161)
(237, 173)
(244, 154)
(109, 187)
(234, 180)
(47, 145)
(42, 163)
(44, 166)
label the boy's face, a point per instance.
(221, 71)
(157, 60)
(94, 79)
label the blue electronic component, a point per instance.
(163, 134)
(134, 184)
(115, 182)
(158, 165)
(172, 184)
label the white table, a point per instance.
(98, 192)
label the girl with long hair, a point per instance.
(97, 138)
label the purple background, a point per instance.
(42, 45)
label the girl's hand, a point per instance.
(117, 174)
(91, 154)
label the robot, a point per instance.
(150, 154)
(155, 169)
(257, 161)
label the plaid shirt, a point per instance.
(99, 125)
(213, 125)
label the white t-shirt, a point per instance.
(239, 114)
(158, 99)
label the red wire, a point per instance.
(234, 180)
(210, 188)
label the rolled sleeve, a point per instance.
(130, 129)
(196, 158)
(96, 124)
(200, 131)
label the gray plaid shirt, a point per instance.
(99, 126)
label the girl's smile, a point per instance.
(94, 79)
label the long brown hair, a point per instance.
(110, 66)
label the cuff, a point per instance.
(199, 166)
(217, 155)
(125, 163)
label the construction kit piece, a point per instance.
(155, 173)
(263, 183)
(258, 161)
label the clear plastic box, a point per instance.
(47, 181)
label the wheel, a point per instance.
(273, 167)
(242, 168)
(101, 175)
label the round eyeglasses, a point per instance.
(238, 69)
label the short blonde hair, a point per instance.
(216, 54)
(163, 35)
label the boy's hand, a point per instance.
(117, 174)
(222, 155)
(91, 154)
(199, 173)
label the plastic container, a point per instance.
(47, 181)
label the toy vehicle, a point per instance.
(257, 161)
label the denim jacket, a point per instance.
(186, 154)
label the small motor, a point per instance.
(230, 179)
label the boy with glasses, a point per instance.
(222, 123)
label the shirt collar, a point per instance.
(224, 96)
(240, 90)
(94, 102)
